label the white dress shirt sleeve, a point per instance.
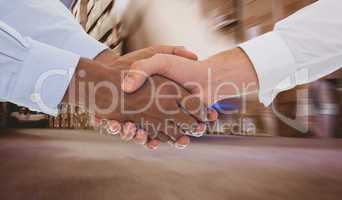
(33, 74)
(302, 48)
(49, 22)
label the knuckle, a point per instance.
(157, 56)
(161, 62)
(136, 65)
(155, 48)
(160, 48)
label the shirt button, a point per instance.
(35, 97)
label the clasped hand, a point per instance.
(160, 111)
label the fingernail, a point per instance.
(151, 147)
(180, 146)
(197, 134)
(97, 121)
(126, 133)
(141, 137)
(114, 128)
(212, 114)
(199, 130)
(182, 142)
(128, 84)
(131, 131)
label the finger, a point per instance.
(154, 137)
(189, 128)
(197, 131)
(186, 54)
(189, 122)
(140, 71)
(138, 75)
(192, 105)
(169, 134)
(151, 51)
(153, 144)
(141, 137)
(114, 127)
(175, 50)
(160, 135)
(212, 115)
(128, 132)
(98, 121)
(157, 65)
(182, 142)
(164, 138)
(176, 135)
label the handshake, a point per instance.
(159, 94)
(159, 111)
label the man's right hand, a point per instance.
(229, 74)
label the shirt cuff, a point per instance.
(274, 64)
(84, 45)
(44, 77)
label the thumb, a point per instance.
(161, 64)
(133, 80)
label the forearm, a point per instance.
(90, 71)
(233, 74)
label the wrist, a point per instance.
(233, 74)
(88, 73)
(73, 95)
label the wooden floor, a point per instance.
(55, 165)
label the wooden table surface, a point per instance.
(50, 164)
